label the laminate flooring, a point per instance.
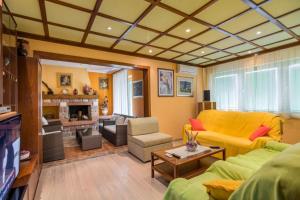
(114, 176)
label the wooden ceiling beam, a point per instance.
(140, 18)
(91, 20)
(271, 19)
(44, 17)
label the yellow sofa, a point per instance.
(231, 130)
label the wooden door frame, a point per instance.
(108, 63)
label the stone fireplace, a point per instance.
(74, 111)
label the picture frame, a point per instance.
(103, 83)
(184, 86)
(64, 79)
(165, 78)
(137, 87)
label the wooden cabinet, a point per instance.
(8, 69)
(206, 105)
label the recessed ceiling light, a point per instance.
(187, 30)
(202, 52)
(109, 28)
(249, 51)
(258, 32)
(150, 51)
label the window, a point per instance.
(261, 90)
(226, 92)
(294, 89)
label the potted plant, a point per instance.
(104, 106)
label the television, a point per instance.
(9, 153)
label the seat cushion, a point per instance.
(110, 128)
(152, 139)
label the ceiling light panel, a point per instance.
(185, 58)
(65, 34)
(292, 19)
(280, 7)
(160, 19)
(98, 40)
(228, 42)
(209, 37)
(272, 38)
(29, 26)
(193, 27)
(186, 6)
(90, 4)
(141, 35)
(166, 41)
(264, 29)
(186, 46)
(222, 10)
(150, 51)
(168, 54)
(243, 22)
(128, 10)
(67, 16)
(101, 25)
(203, 51)
(127, 46)
(198, 61)
(28, 8)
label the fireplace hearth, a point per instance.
(79, 112)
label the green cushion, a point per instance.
(277, 179)
(240, 167)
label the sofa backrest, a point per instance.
(141, 126)
(240, 124)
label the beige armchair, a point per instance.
(144, 137)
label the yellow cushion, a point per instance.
(222, 189)
(240, 124)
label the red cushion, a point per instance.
(196, 125)
(261, 131)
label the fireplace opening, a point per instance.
(82, 112)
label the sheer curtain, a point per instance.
(120, 93)
(268, 82)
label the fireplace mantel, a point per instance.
(69, 96)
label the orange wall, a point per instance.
(137, 103)
(94, 78)
(172, 112)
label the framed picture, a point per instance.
(184, 86)
(165, 82)
(137, 89)
(103, 83)
(64, 79)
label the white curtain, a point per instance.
(120, 93)
(268, 82)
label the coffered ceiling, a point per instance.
(192, 32)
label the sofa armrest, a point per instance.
(121, 128)
(260, 142)
(108, 122)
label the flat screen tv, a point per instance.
(9, 153)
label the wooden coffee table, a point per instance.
(172, 167)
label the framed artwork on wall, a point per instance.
(103, 83)
(64, 79)
(184, 86)
(165, 82)
(137, 89)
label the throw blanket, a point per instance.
(278, 179)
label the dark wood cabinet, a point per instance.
(9, 67)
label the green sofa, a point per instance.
(240, 167)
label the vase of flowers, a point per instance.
(191, 144)
(104, 106)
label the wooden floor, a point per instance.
(115, 176)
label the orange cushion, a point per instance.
(261, 131)
(196, 125)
